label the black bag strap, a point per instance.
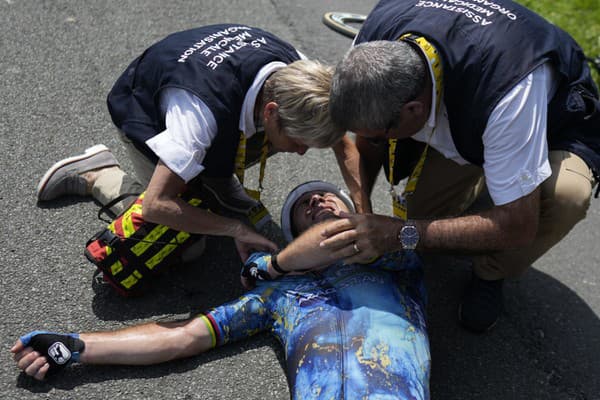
(105, 209)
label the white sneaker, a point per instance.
(64, 177)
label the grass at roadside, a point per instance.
(581, 18)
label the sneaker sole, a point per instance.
(224, 204)
(89, 152)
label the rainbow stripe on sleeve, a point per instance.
(213, 328)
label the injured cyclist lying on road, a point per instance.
(348, 330)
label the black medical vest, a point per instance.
(486, 48)
(217, 63)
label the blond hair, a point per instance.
(301, 90)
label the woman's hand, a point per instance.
(248, 240)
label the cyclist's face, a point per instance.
(314, 207)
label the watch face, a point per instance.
(409, 237)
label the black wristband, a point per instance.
(276, 265)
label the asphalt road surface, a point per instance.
(59, 60)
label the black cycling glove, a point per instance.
(59, 349)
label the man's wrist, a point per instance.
(275, 268)
(391, 240)
(409, 236)
(362, 207)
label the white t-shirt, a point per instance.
(191, 126)
(514, 140)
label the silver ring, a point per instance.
(355, 247)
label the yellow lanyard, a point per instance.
(399, 201)
(240, 165)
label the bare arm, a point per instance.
(305, 252)
(359, 171)
(146, 344)
(509, 226)
(162, 205)
(372, 156)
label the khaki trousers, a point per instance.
(447, 189)
(114, 182)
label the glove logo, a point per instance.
(59, 353)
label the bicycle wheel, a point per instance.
(338, 21)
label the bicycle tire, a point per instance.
(338, 21)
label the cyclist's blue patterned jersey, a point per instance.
(349, 331)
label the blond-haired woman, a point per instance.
(200, 106)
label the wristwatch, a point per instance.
(408, 236)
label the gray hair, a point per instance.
(372, 83)
(301, 91)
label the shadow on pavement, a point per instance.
(545, 346)
(189, 288)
